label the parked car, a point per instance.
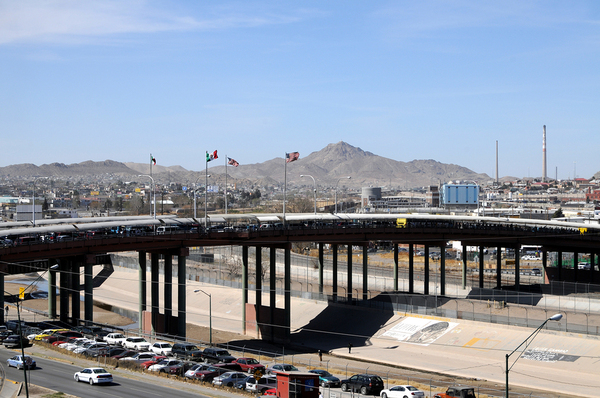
(181, 368)
(217, 355)
(115, 338)
(162, 348)
(404, 391)
(17, 362)
(5, 333)
(136, 343)
(89, 345)
(241, 384)
(112, 351)
(16, 341)
(457, 392)
(250, 365)
(126, 353)
(261, 385)
(326, 379)
(140, 357)
(60, 335)
(195, 371)
(227, 379)
(186, 351)
(163, 365)
(152, 361)
(93, 376)
(48, 332)
(363, 383)
(281, 367)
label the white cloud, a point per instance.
(68, 21)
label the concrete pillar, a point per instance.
(321, 256)
(426, 271)
(244, 285)
(443, 269)
(575, 267)
(499, 267)
(517, 268)
(258, 298)
(481, 266)
(272, 288)
(168, 291)
(559, 264)
(464, 266)
(181, 293)
(545, 264)
(395, 266)
(365, 287)
(141, 289)
(51, 293)
(88, 300)
(411, 268)
(2, 313)
(349, 272)
(334, 278)
(65, 281)
(154, 291)
(75, 292)
(287, 298)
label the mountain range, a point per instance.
(327, 166)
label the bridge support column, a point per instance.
(559, 264)
(65, 279)
(141, 289)
(334, 278)
(321, 266)
(481, 266)
(258, 298)
(365, 286)
(517, 268)
(411, 268)
(575, 267)
(272, 289)
(154, 291)
(499, 267)
(2, 314)
(426, 271)
(75, 292)
(88, 286)
(244, 285)
(443, 269)
(51, 293)
(181, 293)
(349, 276)
(395, 266)
(464, 267)
(287, 278)
(544, 265)
(168, 292)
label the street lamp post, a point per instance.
(336, 185)
(17, 299)
(153, 191)
(314, 188)
(209, 314)
(556, 317)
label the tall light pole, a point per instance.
(153, 191)
(195, 184)
(314, 188)
(17, 299)
(209, 314)
(33, 212)
(556, 317)
(336, 185)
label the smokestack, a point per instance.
(544, 175)
(496, 162)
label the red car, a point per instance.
(271, 391)
(155, 359)
(250, 365)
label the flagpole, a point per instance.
(206, 193)
(226, 184)
(150, 207)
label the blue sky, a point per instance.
(405, 80)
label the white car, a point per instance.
(139, 357)
(89, 344)
(136, 343)
(163, 365)
(76, 343)
(93, 376)
(115, 338)
(161, 348)
(404, 391)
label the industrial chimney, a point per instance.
(544, 175)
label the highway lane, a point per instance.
(58, 376)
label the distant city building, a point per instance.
(460, 196)
(25, 212)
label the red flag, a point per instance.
(232, 162)
(211, 156)
(292, 156)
